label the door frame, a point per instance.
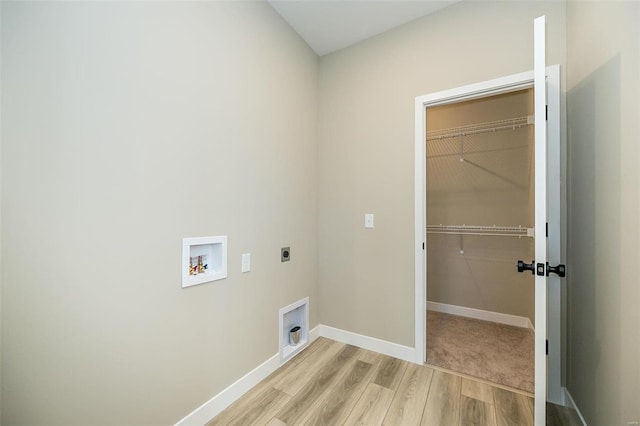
(496, 86)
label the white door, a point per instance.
(547, 217)
(540, 106)
(546, 83)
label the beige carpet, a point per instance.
(498, 353)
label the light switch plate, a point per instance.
(368, 220)
(246, 262)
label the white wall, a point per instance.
(603, 79)
(126, 127)
(366, 147)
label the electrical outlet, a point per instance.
(285, 254)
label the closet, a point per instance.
(480, 216)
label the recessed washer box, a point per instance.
(204, 259)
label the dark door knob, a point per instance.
(559, 270)
(527, 266)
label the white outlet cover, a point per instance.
(368, 220)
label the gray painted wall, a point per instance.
(366, 147)
(603, 73)
(113, 114)
(126, 127)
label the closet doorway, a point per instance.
(480, 219)
(550, 383)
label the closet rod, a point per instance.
(474, 129)
(500, 231)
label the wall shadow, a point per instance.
(594, 206)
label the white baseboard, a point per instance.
(569, 402)
(314, 333)
(370, 343)
(228, 396)
(498, 317)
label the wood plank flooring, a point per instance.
(564, 416)
(331, 383)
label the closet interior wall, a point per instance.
(481, 179)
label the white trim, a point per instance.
(569, 402)
(480, 314)
(370, 343)
(228, 396)
(482, 89)
(314, 333)
(540, 238)
(472, 91)
(420, 203)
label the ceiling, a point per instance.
(330, 25)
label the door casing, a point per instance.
(555, 392)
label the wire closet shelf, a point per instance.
(474, 129)
(493, 230)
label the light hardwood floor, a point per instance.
(331, 383)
